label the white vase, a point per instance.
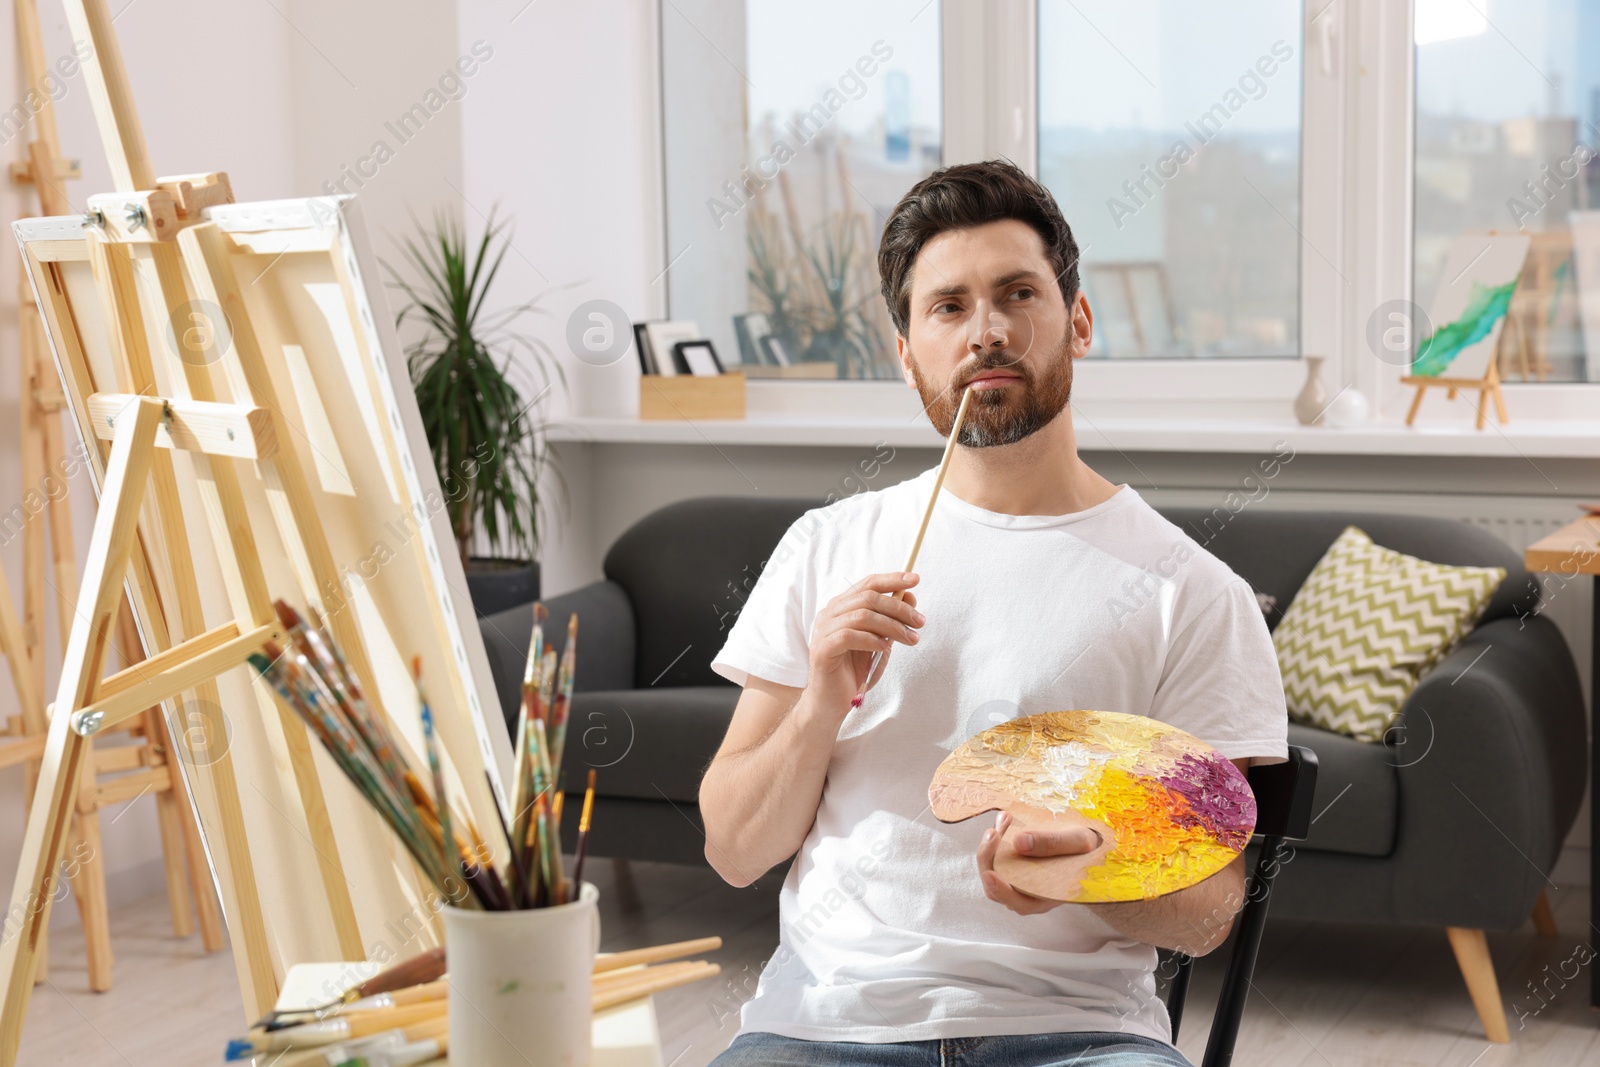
(1313, 395)
(521, 984)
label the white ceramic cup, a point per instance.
(521, 983)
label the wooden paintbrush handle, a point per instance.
(613, 979)
(364, 1023)
(649, 983)
(655, 953)
(421, 994)
(427, 967)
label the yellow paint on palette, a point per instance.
(1170, 810)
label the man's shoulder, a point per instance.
(850, 515)
(1162, 546)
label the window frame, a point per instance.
(1356, 221)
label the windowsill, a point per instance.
(1529, 439)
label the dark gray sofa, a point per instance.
(1453, 822)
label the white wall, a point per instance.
(280, 96)
(561, 135)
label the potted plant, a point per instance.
(485, 442)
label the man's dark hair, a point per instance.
(960, 197)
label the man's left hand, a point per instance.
(1068, 841)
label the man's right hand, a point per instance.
(759, 797)
(850, 628)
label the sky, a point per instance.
(1155, 64)
(796, 52)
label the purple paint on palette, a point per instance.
(1219, 798)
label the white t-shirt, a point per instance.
(886, 934)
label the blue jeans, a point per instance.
(1027, 1050)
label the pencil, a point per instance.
(916, 545)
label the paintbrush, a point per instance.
(911, 561)
(295, 690)
(522, 779)
(563, 694)
(346, 691)
(417, 994)
(583, 835)
(419, 970)
(430, 741)
(367, 1050)
(332, 1031)
(549, 835)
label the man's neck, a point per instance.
(1038, 475)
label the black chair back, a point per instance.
(1283, 813)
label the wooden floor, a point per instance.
(1325, 996)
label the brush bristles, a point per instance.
(309, 675)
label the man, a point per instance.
(1040, 587)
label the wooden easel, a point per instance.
(1487, 388)
(141, 229)
(123, 772)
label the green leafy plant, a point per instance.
(772, 276)
(840, 328)
(485, 442)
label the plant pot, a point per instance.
(521, 983)
(497, 585)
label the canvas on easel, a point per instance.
(1586, 271)
(116, 772)
(1467, 315)
(301, 270)
(237, 385)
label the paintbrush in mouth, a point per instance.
(916, 546)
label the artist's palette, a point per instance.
(1170, 810)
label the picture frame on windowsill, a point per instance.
(698, 358)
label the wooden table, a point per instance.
(1570, 551)
(624, 1036)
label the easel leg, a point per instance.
(212, 934)
(155, 736)
(87, 860)
(172, 834)
(31, 721)
(63, 553)
(1416, 404)
(1483, 409)
(115, 533)
(172, 862)
(33, 572)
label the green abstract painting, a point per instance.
(1486, 307)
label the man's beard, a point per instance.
(1006, 414)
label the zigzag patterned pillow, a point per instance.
(1366, 626)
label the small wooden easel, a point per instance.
(118, 773)
(1487, 388)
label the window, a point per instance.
(1507, 185)
(1248, 180)
(791, 131)
(1169, 132)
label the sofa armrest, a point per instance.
(1491, 772)
(606, 641)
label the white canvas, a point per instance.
(309, 282)
(1586, 273)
